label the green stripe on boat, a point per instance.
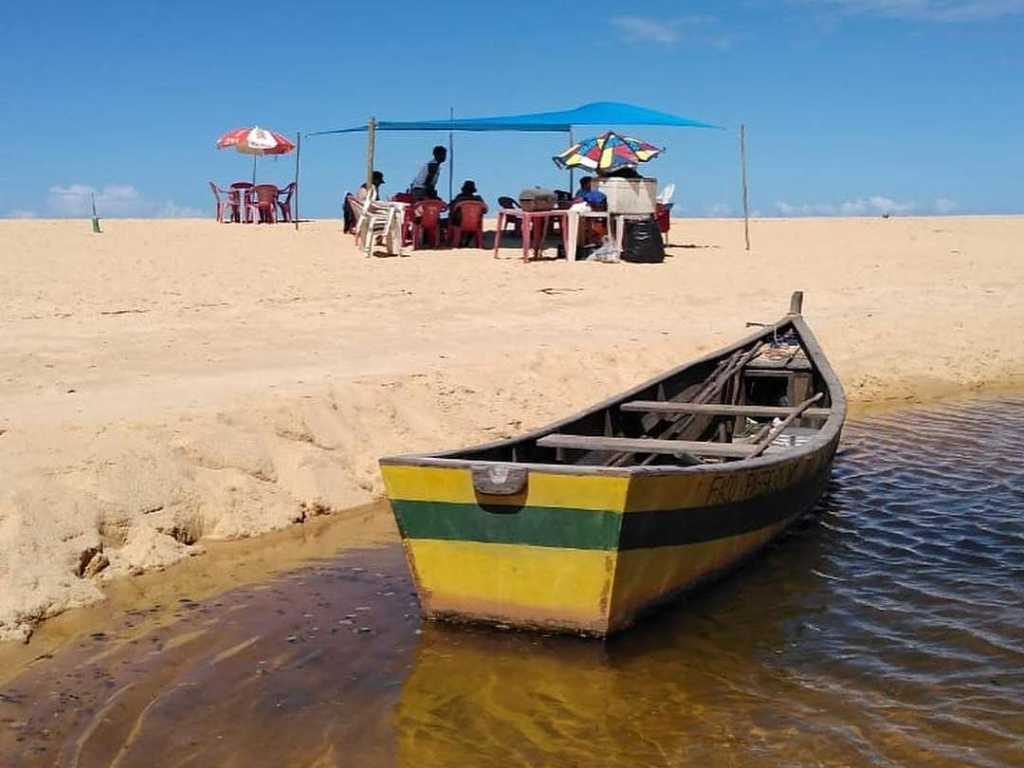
(592, 529)
(539, 526)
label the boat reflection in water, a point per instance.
(681, 687)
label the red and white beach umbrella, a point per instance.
(255, 141)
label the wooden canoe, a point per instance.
(591, 522)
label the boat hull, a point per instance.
(589, 552)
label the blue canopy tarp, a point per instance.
(597, 113)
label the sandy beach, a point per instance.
(170, 384)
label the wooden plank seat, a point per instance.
(798, 363)
(641, 445)
(717, 409)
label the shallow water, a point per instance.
(886, 629)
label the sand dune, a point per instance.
(170, 382)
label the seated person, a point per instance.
(595, 198)
(593, 232)
(424, 185)
(468, 192)
(378, 180)
(350, 216)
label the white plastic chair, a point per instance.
(379, 221)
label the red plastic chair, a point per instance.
(263, 204)
(286, 204)
(427, 221)
(229, 205)
(471, 222)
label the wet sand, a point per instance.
(151, 600)
(884, 630)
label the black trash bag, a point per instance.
(642, 242)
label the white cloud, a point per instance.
(861, 206)
(718, 210)
(171, 210)
(642, 29)
(20, 214)
(945, 205)
(928, 10)
(638, 29)
(112, 201)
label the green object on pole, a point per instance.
(95, 219)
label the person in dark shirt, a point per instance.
(468, 192)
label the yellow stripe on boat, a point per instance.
(643, 577)
(455, 485)
(537, 586)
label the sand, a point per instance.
(169, 384)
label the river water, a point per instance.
(887, 629)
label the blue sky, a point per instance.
(851, 106)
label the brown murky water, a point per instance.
(887, 629)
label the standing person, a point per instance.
(424, 185)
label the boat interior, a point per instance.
(763, 397)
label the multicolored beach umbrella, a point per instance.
(255, 141)
(606, 153)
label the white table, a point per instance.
(574, 228)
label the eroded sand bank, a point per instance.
(170, 383)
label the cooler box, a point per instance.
(637, 196)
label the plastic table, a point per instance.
(528, 222)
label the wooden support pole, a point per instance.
(743, 167)
(295, 190)
(371, 139)
(572, 185)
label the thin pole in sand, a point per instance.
(371, 138)
(451, 155)
(295, 190)
(254, 168)
(743, 165)
(95, 218)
